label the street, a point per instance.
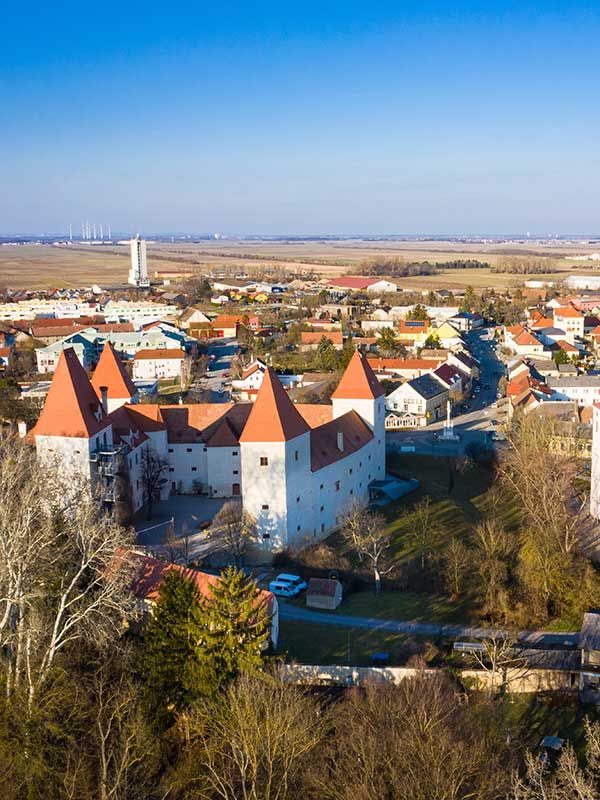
(471, 426)
(219, 367)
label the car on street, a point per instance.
(494, 405)
(283, 589)
(292, 580)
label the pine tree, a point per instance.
(236, 625)
(175, 664)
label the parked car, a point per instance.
(283, 589)
(494, 405)
(292, 580)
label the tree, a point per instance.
(569, 781)
(326, 356)
(176, 666)
(365, 533)
(256, 742)
(418, 312)
(469, 300)
(58, 583)
(432, 342)
(347, 353)
(492, 550)
(235, 529)
(456, 560)
(387, 344)
(236, 625)
(423, 528)
(153, 470)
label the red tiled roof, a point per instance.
(273, 417)
(314, 337)
(526, 338)
(72, 408)
(413, 326)
(353, 282)
(405, 363)
(149, 573)
(567, 311)
(358, 381)
(111, 373)
(324, 448)
(157, 355)
(566, 346)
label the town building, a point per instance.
(360, 284)
(138, 273)
(297, 468)
(158, 364)
(416, 403)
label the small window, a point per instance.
(264, 461)
(296, 455)
(194, 469)
(204, 449)
(170, 449)
(321, 487)
(235, 453)
(266, 535)
(351, 491)
(171, 469)
(350, 471)
(188, 449)
(337, 486)
(236, 472)
(322, 508)
(322, 527)
(297, 499)
(265, 507)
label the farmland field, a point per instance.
(38, 266)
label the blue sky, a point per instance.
(330, 117)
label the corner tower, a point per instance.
(360, 391)
(275, 456)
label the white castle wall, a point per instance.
(595, 481)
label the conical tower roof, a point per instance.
(72, 407)
(273, 418)
(358, 381)
(111, 373)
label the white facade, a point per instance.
(138, 273)
(595, 481)
(162, 366)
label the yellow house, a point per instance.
(412, 330)
(448, 335)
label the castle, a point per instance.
(296, 467)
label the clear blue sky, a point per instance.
(306, 117)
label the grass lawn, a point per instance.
(539, 717)
(415, 606)
(326, 644)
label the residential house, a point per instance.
(360, 284)
(158, 364)
(310, 340)
(465, 321)
(451, 379)
(570, 320)
(416, 403)
(413, 330)
(448, 335)
(585, 389)
(403, 367)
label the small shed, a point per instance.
(324, 593)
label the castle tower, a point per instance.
(138, 274)
(276, 467)
(595, 480)
(111, 380)
(359, 390)
(73, 425)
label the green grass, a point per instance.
(414, 606)
(327, 644)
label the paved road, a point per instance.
(217, 380)
(473, 425)
(299, 614)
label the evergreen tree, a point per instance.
(326, 355)
(236, 625)
(175, 665)
(387, 344)
(347, 353)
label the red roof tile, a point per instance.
(72, 407)
(358, 381)
(324, 448)
(111, 373)
(273, 417)
(156, 355)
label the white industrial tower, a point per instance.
(138, 274)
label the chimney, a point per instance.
(104, 395)
(340, 441)
(22, 428)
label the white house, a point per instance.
(416, 403)
(585, 389)
(149, 364)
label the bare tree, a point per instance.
(153, 470)
(366, 534)
(423, 528)
(58, 582)
(456, 560)
(253, 744)
(235, 529)
(503, 660)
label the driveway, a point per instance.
(533, 638)
(185, 514)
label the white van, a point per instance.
(292, 580)
(282, 589)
